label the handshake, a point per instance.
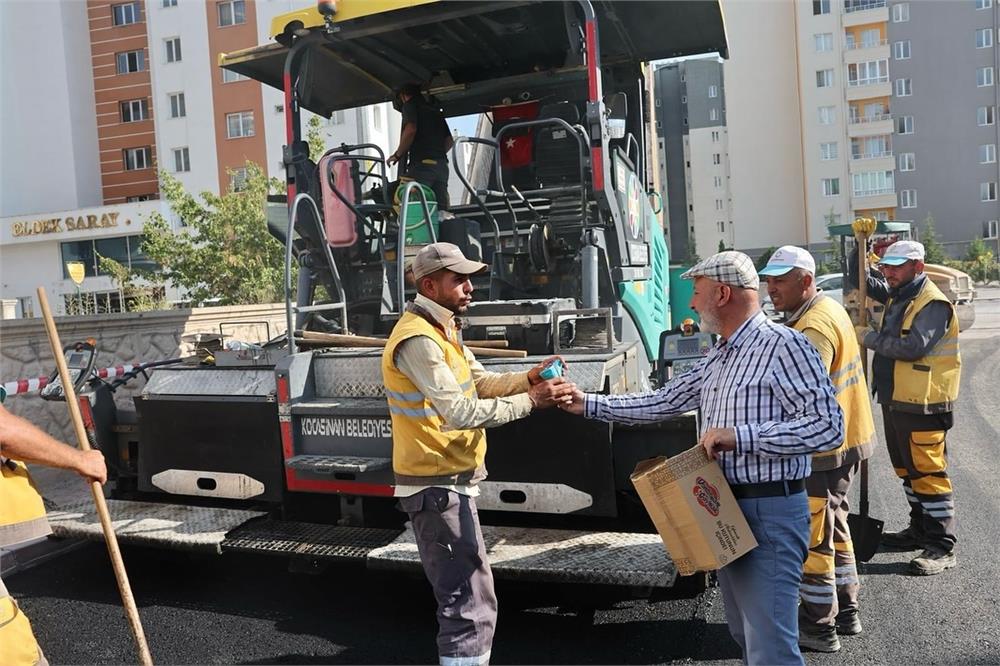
(550, 389)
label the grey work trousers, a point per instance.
(453, 554)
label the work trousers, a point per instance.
(761, 588)
(919, 455)
(830, 577)
(452, 552)
(433, 173)
(18, 646)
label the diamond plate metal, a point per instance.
(165, 382)
(568, 556)
(174, 526)
(307, 539)
(332, 464)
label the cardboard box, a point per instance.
(694, 510)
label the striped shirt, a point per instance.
(768, 383)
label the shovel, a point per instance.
(866, 532)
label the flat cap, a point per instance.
(729, 267)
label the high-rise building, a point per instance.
(694, 161)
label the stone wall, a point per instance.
(121, 338)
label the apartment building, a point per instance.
(943, 69)
(693, 154)
(120, 91)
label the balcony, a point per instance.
(871, 125)
(864, 88)
(871, 156)
(878, 198)
(874, 161)
(851, 46)
(859, 12)
(857, 52)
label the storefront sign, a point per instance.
(57, 225)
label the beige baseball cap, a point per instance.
(437, 256)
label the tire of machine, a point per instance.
(538, 247)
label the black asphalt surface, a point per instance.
(241, 609)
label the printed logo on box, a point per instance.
(707, 495)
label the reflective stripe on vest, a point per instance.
(832, 322)
(930, 383)
(422, 452)
(22, 512)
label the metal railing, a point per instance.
(867, 82)
(851, 46)
(873, 193)
(871, 155)
(875, 118)
(851, 6)
(404, 209)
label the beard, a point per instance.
(709, 322)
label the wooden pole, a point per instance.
(131, 612)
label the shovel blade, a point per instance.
(866, 533)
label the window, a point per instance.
(182, 160)
(130, 61)
(821, 7)
(984, 77)
(870, 38)
(167, 4)
(713, 114)
(684, 99)
(901, 50)
(657, 101)
(232, 12)
(722, 225)
(239, 124)
(138, 158)
(173, 49)
(177, 108)
(991, 228)
(238, 179)
(984, 38)
(824, 42)
(824, 78)
(126, 14)
(231, 77)
(866, 73)
(713, 91)
(717, 181)
(828, 150)
(907, 198)
(716, 158)
(984, 4)
(987, 191)
(904, 125)
(715, 136)
(126, 250)
(872, 183)
(135, 198)
(866, 148)
(831, 187)
(718, 204)
(985, 116)
(827, 115)
(901, 12)
(988, 153)
(904, 87)
(134, 110)
(377, 117)
(907, 161)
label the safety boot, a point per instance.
(932, 561)
(819, 639)
(908, 539)
(848, 623)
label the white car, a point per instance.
(832, 284)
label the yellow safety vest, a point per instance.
(928, 384)
(423, 453)
(832, 322)
(22, 512)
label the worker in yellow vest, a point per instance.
(441, 400)
(22, 514)
(916, 372)
(830, 583)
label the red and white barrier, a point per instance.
(37, 383)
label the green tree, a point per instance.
(722, 245)
(316, 138)
(979, 261)
(224, 253)
(135, 297)
(762, 259)
(933, 250)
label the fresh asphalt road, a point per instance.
(198, 609)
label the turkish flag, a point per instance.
(516, 146)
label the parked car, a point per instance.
(832, 284)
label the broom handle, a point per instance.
(862, 241)
(131, 612)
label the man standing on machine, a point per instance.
(424, 142)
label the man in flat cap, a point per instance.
(441, 400)
(767, 405)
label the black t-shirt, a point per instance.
(432, 130)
